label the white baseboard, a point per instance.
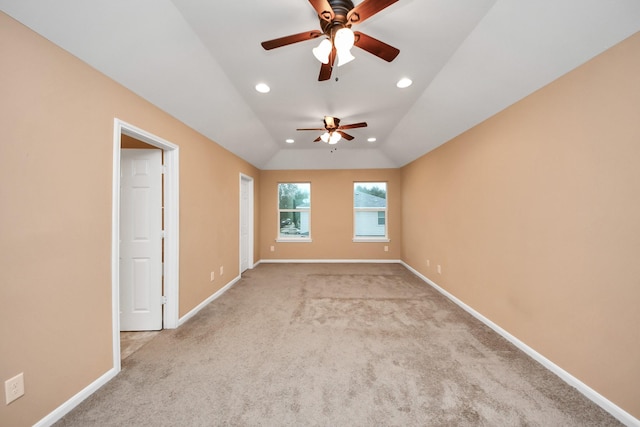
(213, 297)
(331, 261)
(67, 406)
(619, 413)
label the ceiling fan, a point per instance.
(336, 18)
(334, 132)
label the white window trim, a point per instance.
(370, 239)
(294, 240)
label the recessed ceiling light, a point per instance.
(404, 82)
(262, 88)
(289, 141)
(371, 140)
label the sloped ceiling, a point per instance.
(199, 61)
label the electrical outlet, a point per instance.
(386, 248)
(428, 263)
(272, 248)
(14, 388)
(439, 269)
(221, 270)
(213, 275)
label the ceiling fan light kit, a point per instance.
(331, 137)
(322, 51)
(334, 132)
(336, 19)
(343, 42)
(344, 39)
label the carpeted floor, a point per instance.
(333, 345)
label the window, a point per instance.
(294, 211)
(370, 211)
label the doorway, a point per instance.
(169, 267)
(246, 222)
(141, 243)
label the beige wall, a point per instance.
(534, 216)
(331, 215)
(56, 162)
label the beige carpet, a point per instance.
(333, 345)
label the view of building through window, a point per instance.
(294, 210)
(370, 210)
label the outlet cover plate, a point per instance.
(14, 388)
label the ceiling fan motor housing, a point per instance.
(341, 9)
(331, 123)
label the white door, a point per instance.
(246, 223)
(140, 240)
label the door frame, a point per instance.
(170, 312)
(249, 180)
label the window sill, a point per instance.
(294, 240)
(371, 240)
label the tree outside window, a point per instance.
(294, 211)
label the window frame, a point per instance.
(385, 210)
(288, 238)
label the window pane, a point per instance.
(367, 224)
(294, 196)
(370, 195)
(370, 209)
(294, 207)
(288, 224)
(294, 224)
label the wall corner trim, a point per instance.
(620, 414)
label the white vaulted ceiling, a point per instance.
(200, 60)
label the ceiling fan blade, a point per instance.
(325, 72)
(345, 135)
(326, 69)
(317, 139)
(324, 9)
(367, 9)
(354, 125)
(311, 129)
(287, 40)
(376, 47)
